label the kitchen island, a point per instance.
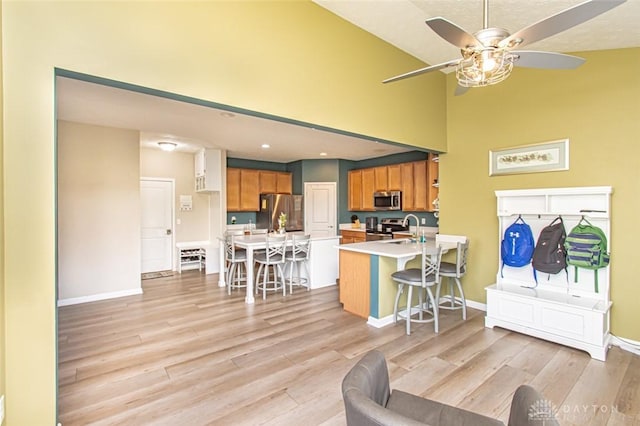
(366, 287)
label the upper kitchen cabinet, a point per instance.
(275, 182)
(355, 190)
(208, 170)
(244, 187)
(418, 181)
(243, 191)
(394, 177)
(381, 176)
(407, 188)
(420, 202)
(368, 188)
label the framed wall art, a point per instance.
(541, 157)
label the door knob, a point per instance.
(168, 231)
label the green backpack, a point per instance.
(587, 248)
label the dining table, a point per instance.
(322, 249)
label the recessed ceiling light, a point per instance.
(167, 146)
(265, 145)
(323, 154)
(227, 114)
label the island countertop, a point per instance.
(397, 249)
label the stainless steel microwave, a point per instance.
(389, 200)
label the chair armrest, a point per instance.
(434, 413)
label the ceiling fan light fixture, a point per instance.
(485, 67)
(167, 146)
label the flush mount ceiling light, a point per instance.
(487, 55)
(167, 146)
(265, 146)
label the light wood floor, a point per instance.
(185, 353)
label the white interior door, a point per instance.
(156, 198)
(320, 208)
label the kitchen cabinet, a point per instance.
(418, 181)
(275, 182)
(208, 170)
(355, 286)
(394, 177)
(243, 190)
(408, 195)
(284, 183)
(419, 186)
(355, 190)
(381, 178)
(233, 190)
(267, 182)
(368, 188)
(351, 236)
(244, 187)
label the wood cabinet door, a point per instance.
(368, 188)
(408, 191)
(381, 178)
(249, 190)
(355, 285)
(284, 183)
(233, 190)
(420, 184)
(394, 177)
(268, 182)
(355, 190)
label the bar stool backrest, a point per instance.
(301, 247)
(275, 248)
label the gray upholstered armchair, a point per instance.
(368, 400)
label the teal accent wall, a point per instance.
(375, 284)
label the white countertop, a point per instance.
(398, 248)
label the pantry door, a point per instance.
(156, 199)
(320, 208)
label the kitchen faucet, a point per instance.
(405, 222)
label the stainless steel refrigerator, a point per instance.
(271, 205)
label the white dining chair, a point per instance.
(273, 257)
(236, 259)
(296, 256)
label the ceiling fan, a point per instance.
(488, 56)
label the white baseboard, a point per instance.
(626, 344)
(97, 297)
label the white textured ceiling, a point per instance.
(401, 23)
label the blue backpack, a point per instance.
(517, 244)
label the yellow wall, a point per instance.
(597, 107)
(291, 59)
(2, 309)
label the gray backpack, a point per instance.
(550, 255)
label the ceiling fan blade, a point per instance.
(452, 33)
(423, 70)
(552, 60)
(461, 90)
(560, 22)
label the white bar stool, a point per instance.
(298, 254)
(454, 271)
(273, 256)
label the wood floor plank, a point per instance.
(593, 397)
(185, 352)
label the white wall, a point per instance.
(98, 212)
(194, 224)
